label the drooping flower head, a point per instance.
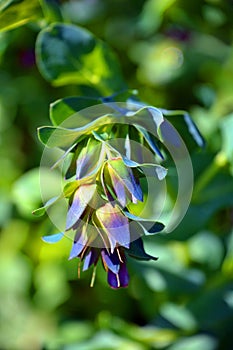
(105, 184)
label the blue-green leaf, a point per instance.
(185, 126)
(90, 120)
(68, 54)
(61, 109)
(150, 141)
(153, 169)
(149, 226)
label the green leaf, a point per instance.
(179, 316)
(197, 342)
(69, 333)
(41, 211)
(152, 15)
(57, 137)
(68, 54)
(62, 109)
(71, 159)
(69, 188)
(26, 191)
(203, 246)
(101, 115)
(15, 13)
(218, 317)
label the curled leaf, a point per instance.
(41, 211)
(137, 251)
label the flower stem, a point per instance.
(219, 162)
(93, 277)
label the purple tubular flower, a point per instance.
(81, 198)
(77, 247)
(111, 260)
(114, 263)
(119, 189)
(120, 173)
(90, 159)
(123, 275)
(91, 258)
(80, 240)
(119, 280)
(114, 224)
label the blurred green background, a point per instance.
(178, 55)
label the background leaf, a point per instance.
(15, 13)
(67, 54)
(227, 139)
(195, 343)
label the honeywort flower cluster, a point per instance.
(105, 172)
(98, 208)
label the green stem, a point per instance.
(205, 178)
